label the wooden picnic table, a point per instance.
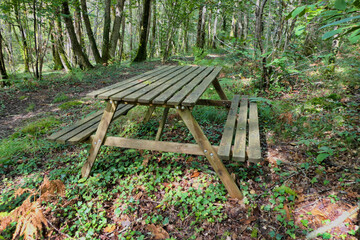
(178, 87)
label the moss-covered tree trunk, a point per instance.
(141, 53)
(2, 65)
(115, 34)
(106, 35)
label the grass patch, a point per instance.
(60, 97)
(70, 104)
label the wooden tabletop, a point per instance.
(166, 85)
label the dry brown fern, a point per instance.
(29, 216)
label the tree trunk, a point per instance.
(83, 59)
(115, 34)
(130, 30)
(59, 40)
(77, 19)
(141, 53)
(2, 65)
(56, 56)
(200, 36)
(121, 47)
(214, 28)
(106, 34)
(90, 34)
(153, 33)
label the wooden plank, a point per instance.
(86, 132)
(123, 93)
(254, 149)
(210, 153)
(134, 96)
(147, 98)
(186, 88)
(200, 89)
(152, 145)
(152, 77)
(219, 90)
(99, 137)
(240, 136)
(95, 93)
(229, 129)
(211, 102)
(65, 130)
(162, 124)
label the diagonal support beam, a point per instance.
(162, 124)
(99, 137)
(148, 113)
(210, 153)
(218, 89)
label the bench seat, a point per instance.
(82, 130)
(241, 136)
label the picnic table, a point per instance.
(166, 87)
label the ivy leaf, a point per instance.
(330, 34)
(321, 157)
(340, 4)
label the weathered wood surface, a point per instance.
(162, 124)
(254, 150)
(152, 145)
(82, 129)
(240, 136)
(99, 137)
(210, 153)
(166, 86)
(229, 129)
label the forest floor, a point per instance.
(309, 178)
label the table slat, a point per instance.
(240, 136)
(142, 84)
(192, 98)
(130, 84)
(184, 88)
(94, 94)
(157, 91)
(254, 150)
(134, 96)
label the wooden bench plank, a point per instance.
(86, 133)
(192, 98)
(159, 90)
(123, 93)
(180, 95)
(151, 77)
(254, 149)
(134, 96)
(239, 150)
(95, 93)
(227, 137)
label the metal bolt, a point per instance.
(182, 107)
(95, 143)
(99, 141)
(177, 107)
(205, 151)
(111, 101)
(211, 154)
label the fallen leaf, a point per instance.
(288, 217)
(157, 231)
(110, 228)
(248, 220)
(195, 174)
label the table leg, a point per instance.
(210, 153)
(219, 90)
(99, 137)
(148, 113)
(162, 123)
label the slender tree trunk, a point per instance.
(121, 47)
(215, 28)
(106, 34)
(25, 49)
(60, 42)
(83, 59)
(56, 56)
(115, 34)
(130, 30)
(141, 53)
(200, 40)
(2, 64)
(37, 48)
(90, 34)
(77, 19)
(153, 33)
(224, 29)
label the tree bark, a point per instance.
(121, 47)
(215, 28)
(59, 40)
(106, 34)
(90, 34)
(2, 64)
(83, 59)
(200, 36)
(153, 33)
(141, 53)
(115, 34)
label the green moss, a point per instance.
(70, 104)
(60, 97)
(40, 126)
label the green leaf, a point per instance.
(321, 157)
(81, 180)
(330, 34)
(340, 21)
(299, 30)
(354, 39)
(357, 3)
(340, 4)
(298, 11)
